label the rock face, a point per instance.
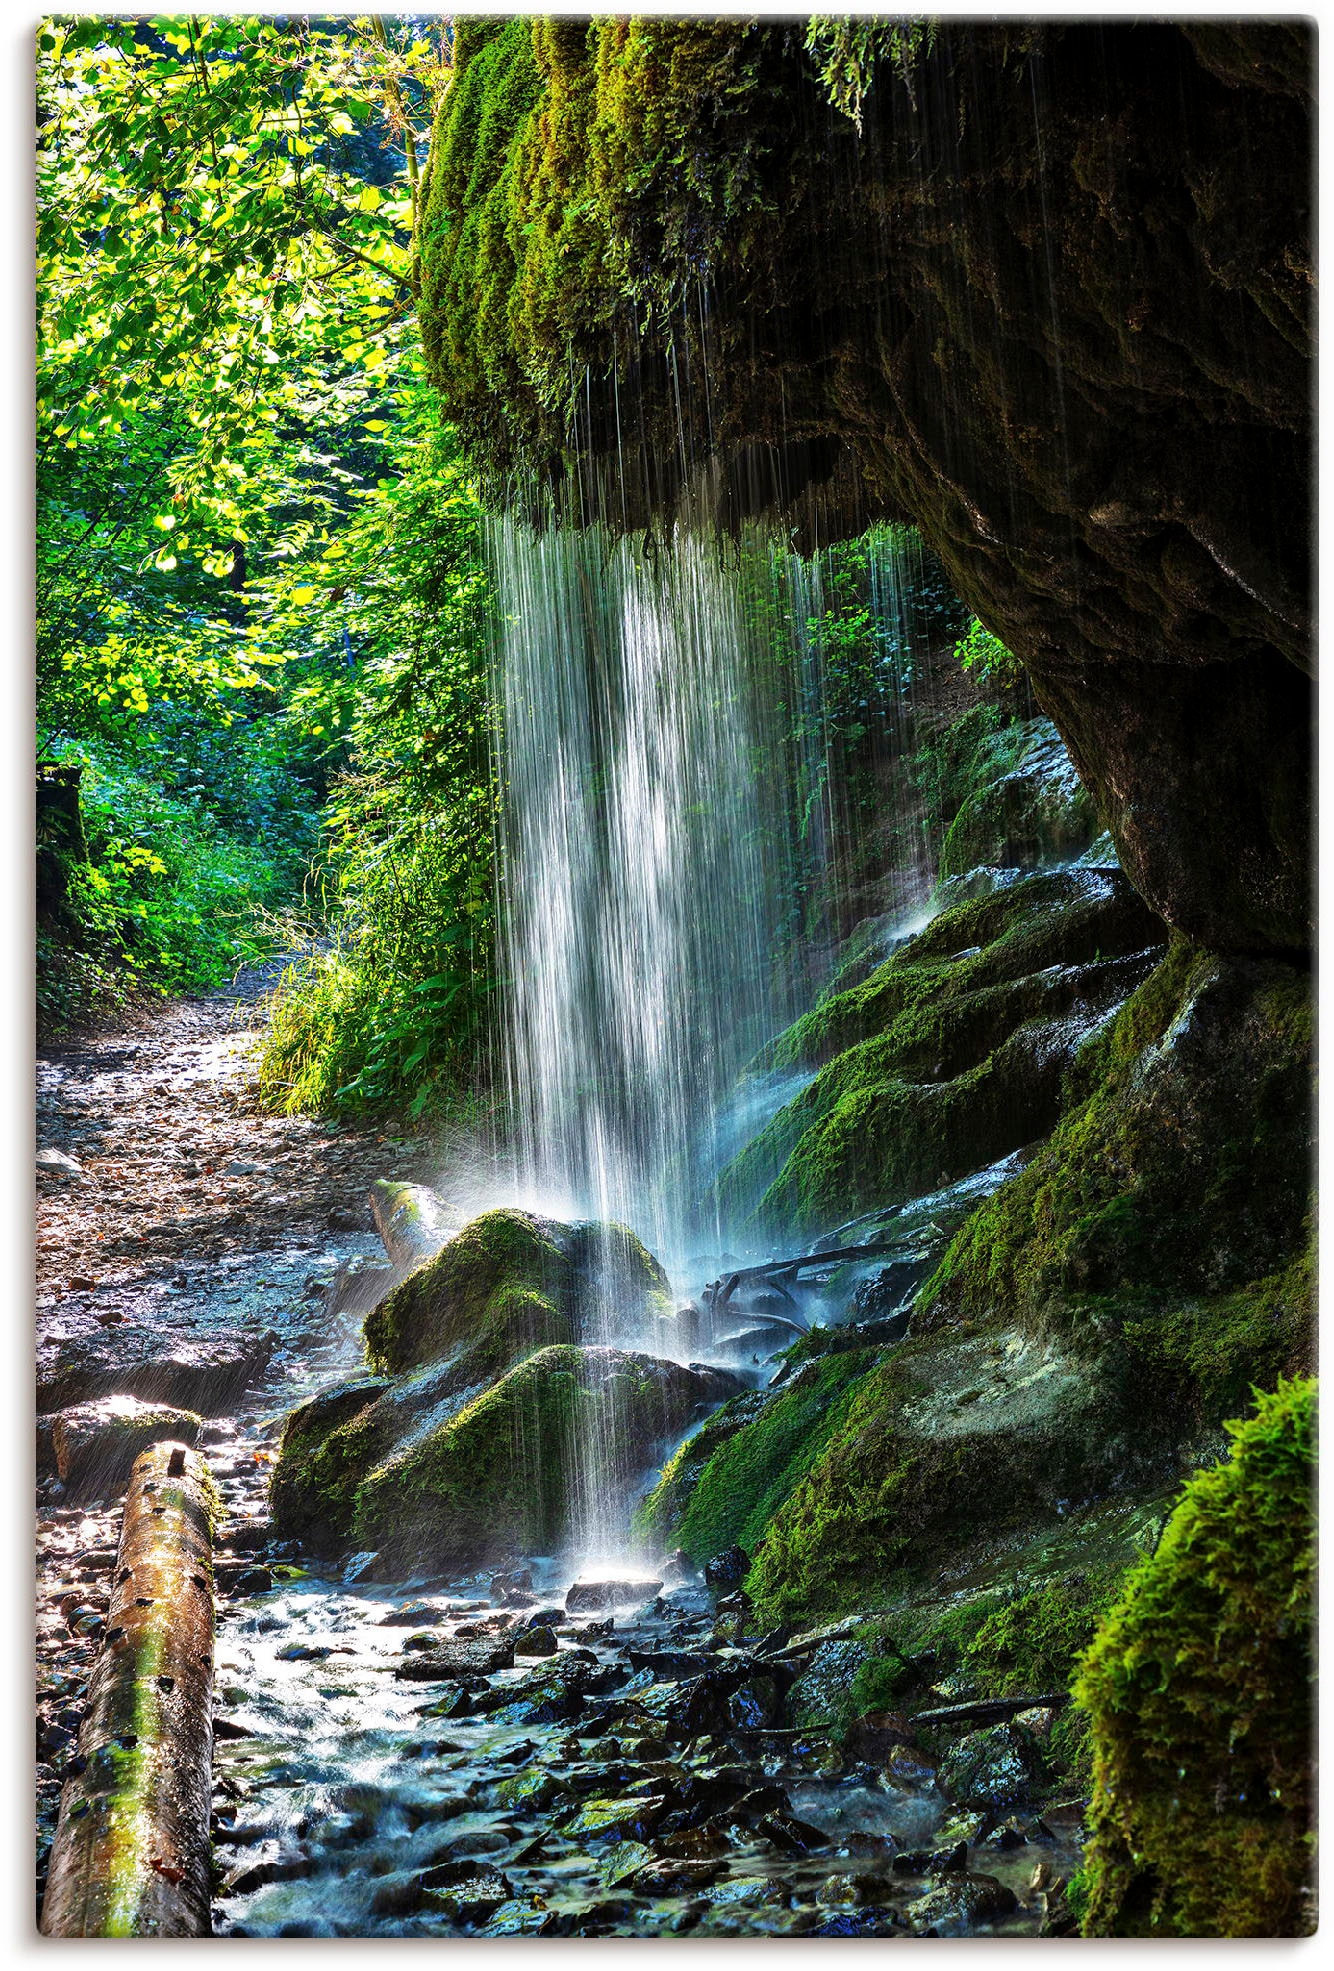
(952, 1054)
(501, 1414)
(1051, 302)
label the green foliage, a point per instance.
(187, 841)
(396, 1012)
(1199, 1688)
(986, 656)
(847, 50)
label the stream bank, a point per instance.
(454, 1755)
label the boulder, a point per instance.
(97, 1443)
(423, 1469)
(511, 1282)
(503, 1473)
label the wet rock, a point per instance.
(754, 1704)
(520, 1918)
(728, 1569)
(205, 1373)
(97, 1443)
(989, 1768)
(459, 1659)
(584, 1596)
(678, 1570)
(464, 1892)
(411, 1613)
(624, 1819)
(535, 1642)
(878, 1922)
(962, 1904)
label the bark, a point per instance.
(131, 1854)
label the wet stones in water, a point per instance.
(460, 1659)
(96, 1444)
(960, 1904)
(464, 1892)
(586, 1596)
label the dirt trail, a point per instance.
(180, 1164)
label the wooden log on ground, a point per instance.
(131, 1853)
(412, 1221)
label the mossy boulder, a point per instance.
(724, 1484)
(951, 1055)
(512, 1469)
(511, 1282)
(1164, 1229)
(1199, 1688)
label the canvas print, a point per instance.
(673, 919)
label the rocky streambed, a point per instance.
(492, 1747)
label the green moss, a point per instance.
(952, 1054)
(499, 1283)
(1199, 1692)
(324, 1450)
(1168, 1197)
(723, 1486)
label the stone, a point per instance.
(963, 1904)
(535, 1642)
(727, 1569)
(95, 1444)
(458, 1659)
(584, 1596)
(989, 1768)
(207, 1373)
(57, 1164)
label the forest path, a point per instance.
(180, 1163)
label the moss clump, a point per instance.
(1199, 1692)
(724, 1485)
(505, 1473)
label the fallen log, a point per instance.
(412, 1221)
(131, 1853)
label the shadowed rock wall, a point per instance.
(1052, 304)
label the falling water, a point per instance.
(647, 859)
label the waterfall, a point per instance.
(669, 804)
(646, 859)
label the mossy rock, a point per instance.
(951, 1055)
(1164, 1228)
(944, 1444)
(1030, 806)
(510, 1283)
(724, 1484)
(1199, 1688)
(506, 1473)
